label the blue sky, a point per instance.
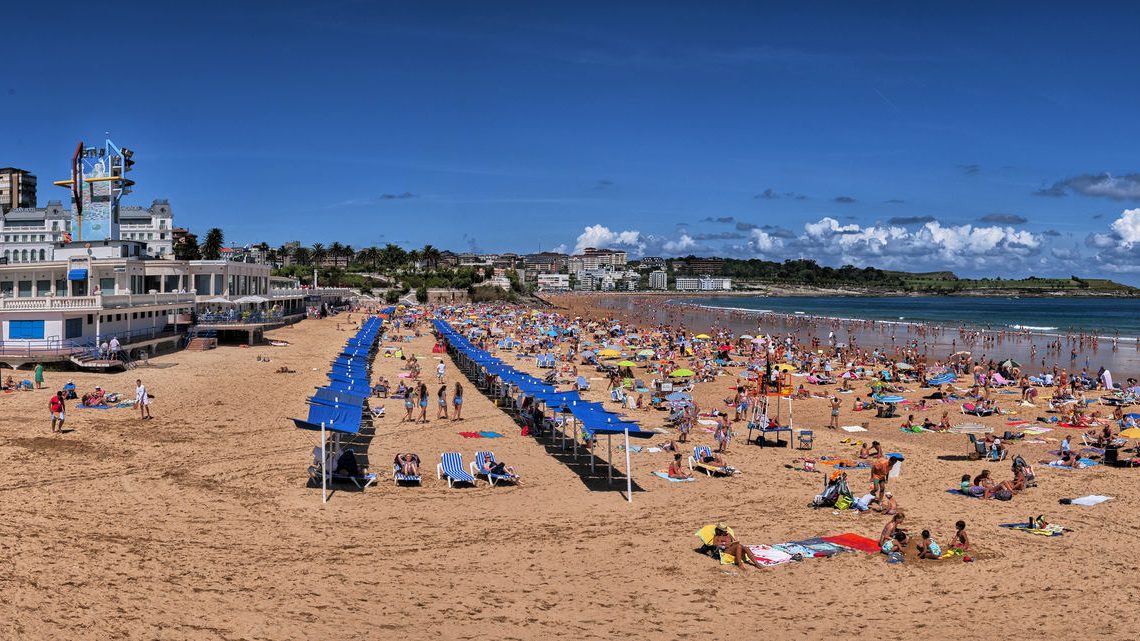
(998, 139)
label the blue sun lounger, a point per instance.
(451, 467)
(482, 465)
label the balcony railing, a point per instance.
(49, 303)
(135, 300)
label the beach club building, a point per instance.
(59, 309)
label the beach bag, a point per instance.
(843, 502)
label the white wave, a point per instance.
(1034, 328)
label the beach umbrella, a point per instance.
(1009, 363)
(703, 337)
(758, 341)
(626, 364)
(959, 356)
(609, 352)
(1132, 432)
(681, 396)
(646, 352)
(746, 337)
(784, 367)
(681, 373)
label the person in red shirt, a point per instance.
(56, 405)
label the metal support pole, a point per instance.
(628, 476)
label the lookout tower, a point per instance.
(98, 182)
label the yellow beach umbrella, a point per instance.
(1132, 432)
(609, 353)
(784, 367)
(703, 337)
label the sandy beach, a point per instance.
(198, 525)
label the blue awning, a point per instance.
(77, 274)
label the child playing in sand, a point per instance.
(928, 548)
(961, 543)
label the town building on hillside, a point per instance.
(698, 266)
(658, 280)
(702, 284)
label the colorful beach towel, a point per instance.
(490, 434)
(663, 475)
(470, 434)
(855, 542)
(1051, 529)
(767, 555)
(819, 546)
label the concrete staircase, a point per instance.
(201, 344)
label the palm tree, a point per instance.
(348, 253)
(318, 254)
(393, 256)
(336, 251)
(212, 247)
(302, 256)
(414, 258)
(431, 256)
(368, 256)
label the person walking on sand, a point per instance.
(56, 404)
(142, 400)
(457, 402)
(835, 403)
(442, 412)
(39, 375)
(423, 396)
(440, 370)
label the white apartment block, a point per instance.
(702, 284)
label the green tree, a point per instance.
(187, 249)
(212, 247)
(318, 254)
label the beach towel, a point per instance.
(819, 546)
(1085, 463)
(970, 428)
(663, 475)
(1090, 500)
(961, 493)
(855, 542)
(470, 434)
(706, 422)
(795, 548)
(767, 555)
(489, 434)
(853, 428)
(1052, 529)
(633, 449)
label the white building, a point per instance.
(548, 282)
(31, 235)
(702, 283)
(658, 280)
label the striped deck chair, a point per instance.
(399, 477)
(482, 464)
(451, 466)
(699, 453)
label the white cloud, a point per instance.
(1128, 226)
(684, 243)
(600, 237)
(762, 241)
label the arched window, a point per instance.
(43, 254)
(23, 256)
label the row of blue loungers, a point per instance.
(480, 366)
(340, 408)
